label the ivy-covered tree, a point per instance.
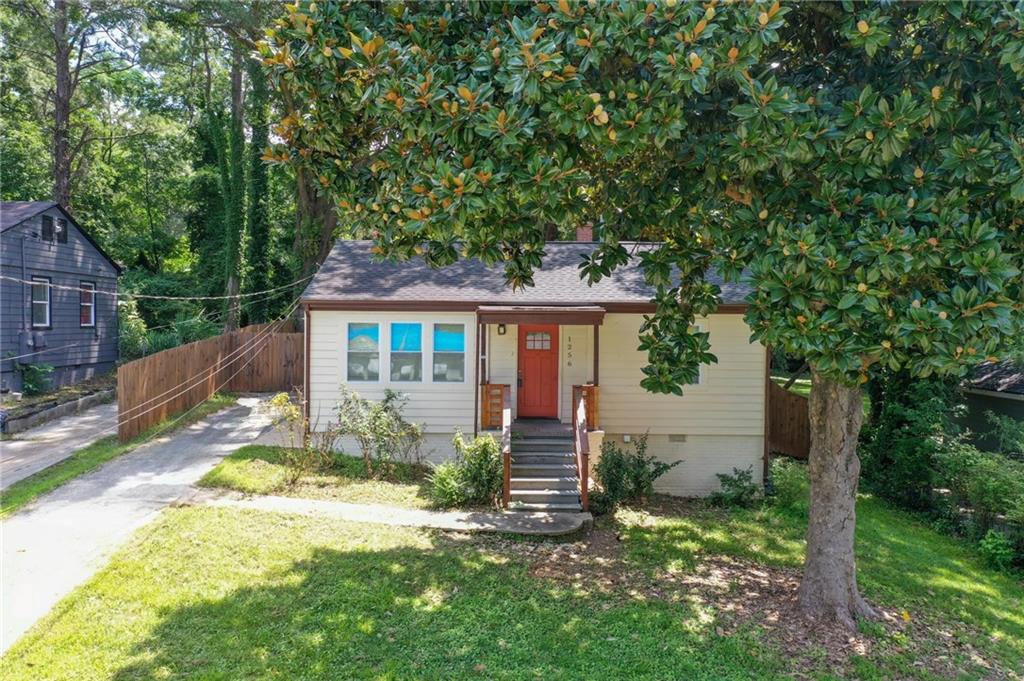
(861, 164)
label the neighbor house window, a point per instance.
(363, 352)
(87, 304)
(449, 353)
(406, 352)
(46, 233)
(62, 231)
(40, 301)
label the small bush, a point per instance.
(626, 477)
(989, 484)
(158, 341)
(446, 487)
(473, 478)
(383, 434)
(738, 489)
(131, 329)
(997, 550)
(35, 378)
(792, 486)
(482, 468)
(307, 453)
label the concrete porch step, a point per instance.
(551, 508)
(541, 445)
(543, 470)
(534, 483)
(546, 496)
(549, 458)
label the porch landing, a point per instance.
(541, 428)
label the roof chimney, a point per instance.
(585, 232)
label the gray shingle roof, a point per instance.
(352, 273)
(14, 213)
(1003, 377)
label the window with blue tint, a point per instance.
(363, 352)
(406, 352)
(449, 353)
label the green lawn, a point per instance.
(208, 593)
(93, 455)
(257, 469)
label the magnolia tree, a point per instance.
(861, 164)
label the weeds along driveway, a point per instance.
(60, 540)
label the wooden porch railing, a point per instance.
(492, 403)
(506, 444)
(584, 419)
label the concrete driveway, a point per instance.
(33, 450)
(62, 538)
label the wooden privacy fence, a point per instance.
(253, 359)
(789, 426)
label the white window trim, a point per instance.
(382, 354)
(87, 286)
(465, 353)
(33, 302)
(423, 352)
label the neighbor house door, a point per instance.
(538, 371)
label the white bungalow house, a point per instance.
(557, 362)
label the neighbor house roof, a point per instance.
(352, 276)
(13, 213)
(1001, 377)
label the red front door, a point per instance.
(538, 371)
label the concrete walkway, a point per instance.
(546, 524)
(33, 450)
(62, 538)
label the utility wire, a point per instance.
(265, 340)
(216, 315)
(154, 297)
(211, 369)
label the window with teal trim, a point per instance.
(449, 353)
(363, 352)
(406, 352)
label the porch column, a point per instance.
(597, 351)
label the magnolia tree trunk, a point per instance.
(829, 587)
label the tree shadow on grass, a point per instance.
(902, 563)
(448, 612)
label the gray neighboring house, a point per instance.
(73, 329)
(997, 387)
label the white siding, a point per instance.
(439, 407)
(714, 427)
(501, 357)
(575, 367)
(729, 400)
(701, 457)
